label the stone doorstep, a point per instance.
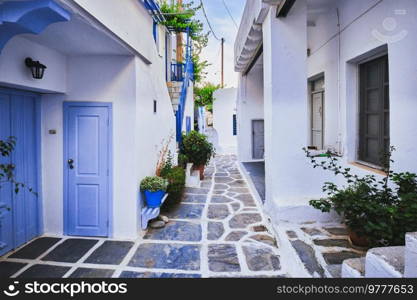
(353, 268)
(411, 255)
(411, 242)
(385, 262)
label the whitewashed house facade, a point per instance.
(332, 75)
(225, 120)
(92, 127)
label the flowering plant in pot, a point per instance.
(198, 150)
(154, 188)
(377, 211)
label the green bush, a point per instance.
(153, 184)
(383, 210)
(176, 184)
(197, 148)
(182, 160)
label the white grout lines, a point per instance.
(203, 244)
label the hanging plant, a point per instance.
(180, 17)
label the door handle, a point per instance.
(71, 163)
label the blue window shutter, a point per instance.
(234, 125)
(155, 31)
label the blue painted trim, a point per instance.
(189, 76)
(19, 17)
(41, 228)
(154, 10)
(188, 124)
(155, 31)
(66, 106)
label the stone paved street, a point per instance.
(217, 231)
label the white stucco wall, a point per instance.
(189, 107)
(13, 71)
(291, 181)
(250, 106)
(224, 107)
(127, 19)
(130, 83)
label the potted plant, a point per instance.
(154, 188)
(377, 212)
(198, 150)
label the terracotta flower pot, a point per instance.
(201, 170)
(358, 240)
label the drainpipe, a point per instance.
(339, 104)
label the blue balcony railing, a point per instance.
(177, 71)
(187, 70)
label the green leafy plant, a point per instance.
(153, 184)
(199, 68)
(182, 160)
(167, 166)
(7, 171)
(382, 210)
(180, 17)
(176, 184)
(204, 96)
(197, 148)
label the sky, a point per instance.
(223, 26)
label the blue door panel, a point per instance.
(30, 155)
(18, 119)
(87, 143)
(6, 217)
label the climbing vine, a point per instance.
(7, 171)
(204, 96)
(180, 17)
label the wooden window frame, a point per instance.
(382, 112)
(313, 91)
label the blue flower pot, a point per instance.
(154, 199)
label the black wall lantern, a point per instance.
(36, 67)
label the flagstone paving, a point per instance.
(218, 230)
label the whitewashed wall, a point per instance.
(189, 107)
(224, 107)
(250, 106)
(13, 71)
(291, 182)
(127, 19)
(130, 83)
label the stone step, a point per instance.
(353, 268)
(411, 255)
(334, 271)
(385, 262)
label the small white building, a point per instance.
(91, 128)
(225, 119)
(334, 75)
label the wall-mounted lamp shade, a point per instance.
(37, 69)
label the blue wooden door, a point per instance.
(19, 213)
(6, 217)
(87, 167)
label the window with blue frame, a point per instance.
(234, 125)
